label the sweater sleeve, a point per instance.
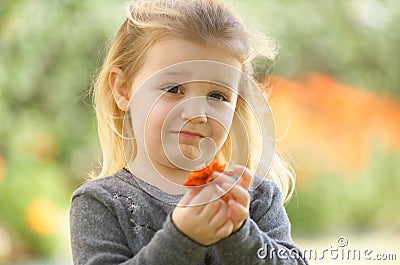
(96, 238)
(264, 238)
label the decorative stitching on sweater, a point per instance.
(133, 207)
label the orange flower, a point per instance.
(203, 176)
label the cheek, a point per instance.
(156, 122)
(219, 132)
(152, 125)
(221, 118)
(221, 124)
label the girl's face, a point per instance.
(185, 95)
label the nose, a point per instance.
(194, 110)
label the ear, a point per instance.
(119, 88)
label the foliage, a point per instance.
(362, 201)
(346, 147)
(353, 40)
(50, 51)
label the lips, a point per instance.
(190, 134)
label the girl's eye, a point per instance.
(218, 96)
(175, 89)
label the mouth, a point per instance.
(190, 135)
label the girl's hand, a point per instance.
(202, 216)
(237, 196)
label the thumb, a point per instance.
(246, 177)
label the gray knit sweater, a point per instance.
(123, 220)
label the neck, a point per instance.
(167, 179)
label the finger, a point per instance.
(225, 230)
(209, 210)
(219, 178)
(238, 193)
(185, 200)
(226, 197)
(230, 173)
(246, 177)
(205, 195)
(188, 196)
(219, 218)
(238, 213)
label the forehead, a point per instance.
(187, 60)
(173, 51)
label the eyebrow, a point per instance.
(218, 82)
(174, 73)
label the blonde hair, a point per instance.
(204, 21)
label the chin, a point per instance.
(190, 152)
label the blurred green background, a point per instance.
(335, 99)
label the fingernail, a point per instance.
(215, 173)
(219, 188)
(229, 173)
(238, 169)
(226, 186)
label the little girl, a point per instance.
(175, 93)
